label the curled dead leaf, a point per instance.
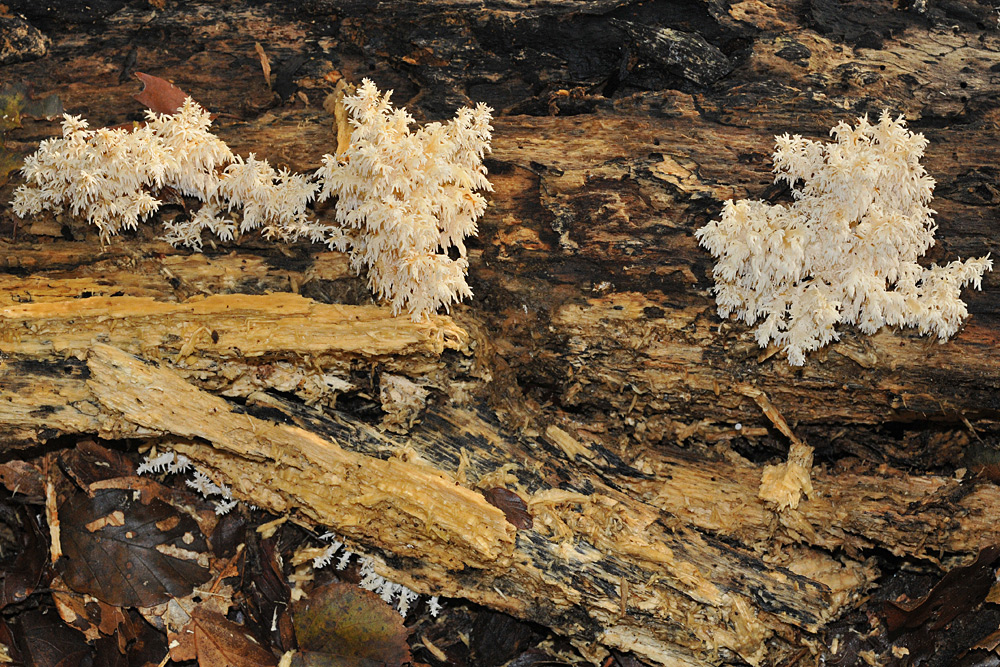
(512, 506)
(159, 95)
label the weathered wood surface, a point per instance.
(630, 555)
(591, 360)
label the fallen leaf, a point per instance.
(959, 591)
(45, 641)
(159, 95)
(990, 642)
(219, 641)
(144, 561)
(175, 617)
(20, 577)
(108, 655)
(230, 533)
(266, 592)
(512, 505)
(88, 462)
(24, 480)
(134, 643)
(91, 617)
(8, 649)
(341, 625)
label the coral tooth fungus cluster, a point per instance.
(846, 250)
(405, 199)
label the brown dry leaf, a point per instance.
(23, 479)
(219, 641)
(45, 641)
(175, 618)
(147, 490)
(994, 595)
(342, 625)
(88, 462)
(20, 577)
(512, 505)
(135, 643)
(159, 95)
(990, 642)
(141, 558)
(88, 615)
(266, 592)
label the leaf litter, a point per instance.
(150, 576)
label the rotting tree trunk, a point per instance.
(590, 375)
(627, 555)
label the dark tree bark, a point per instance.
(590, 375)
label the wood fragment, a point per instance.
(52, 519)
(265, 63)
(424, 515)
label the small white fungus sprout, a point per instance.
(397, 595)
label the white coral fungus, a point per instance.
(845, 250)
(405, 198)
(107, 175)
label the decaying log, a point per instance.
(616, 552)
(591, 374)
(233, 344)
(597, 561)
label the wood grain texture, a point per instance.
(590, 374)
